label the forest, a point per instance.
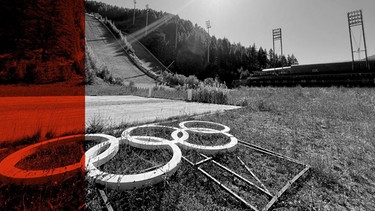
(41, 41)
(184, 45)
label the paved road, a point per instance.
(21, 116)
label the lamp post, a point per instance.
(147, 8)
(355, 18)
(208, 25)
(135, 2)
(276, 34)
(175, 45)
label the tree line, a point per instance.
(187, 49)
(41, 41)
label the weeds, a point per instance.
(95, 125)
(68, 194)
(95, 68)
(331, 129)
(210, 95)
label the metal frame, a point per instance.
(277, 35)
(263, 189)
(355, 18)
(105, 199)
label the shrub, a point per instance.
(191, 82)
(210, 95)
(89, 76)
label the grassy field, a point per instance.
(331, 129)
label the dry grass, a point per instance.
(331, 129)
(68, 194)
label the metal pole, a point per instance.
(364, 40)
(208, 24)
(239, 177)
(146, 17)
(175, 45)
(208, 50)
(134, 12)
(351, 42)
(273, 41)
(221, 185)
(281, 43)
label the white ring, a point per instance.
(10, 173)
(204, 130)
(210, 150)
(91, 155)
(181, 142)
(132, 181)
(146, 144)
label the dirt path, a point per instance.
(109, 51)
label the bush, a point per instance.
(89, 76)
(210, 95)
(191, 82)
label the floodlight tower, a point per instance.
(355, 18)
(208, 25)
(135, 2)
(147, 9)
(276, 34)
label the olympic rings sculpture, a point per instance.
(96, 156)
(181, 142)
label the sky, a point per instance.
(315, 31)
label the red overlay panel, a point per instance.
(42, 105)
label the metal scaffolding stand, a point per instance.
(355, 18)
(262, 189)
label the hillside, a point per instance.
(41, 42)
(187, 49)
(147, 59)
(110, 52)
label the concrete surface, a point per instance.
(23, 116)
(129, 109)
